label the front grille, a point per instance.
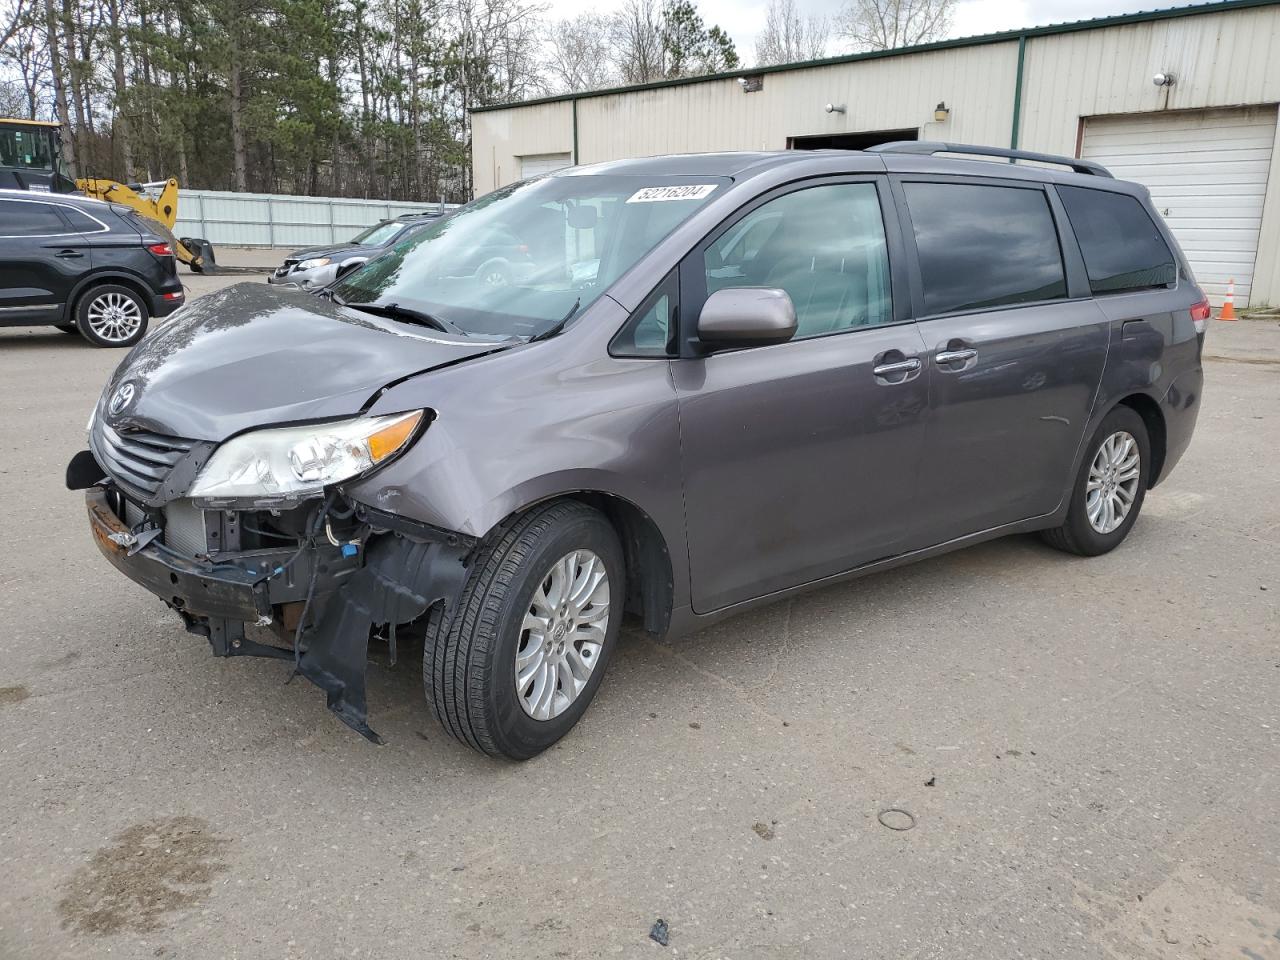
(137, 460)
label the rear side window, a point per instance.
(1123, 250)
(81, 221)
(984, 246)
(23, 218)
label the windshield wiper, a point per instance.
(559, 325)
(396, 312)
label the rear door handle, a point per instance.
(910, 365)
(943, 357)
(69, 254)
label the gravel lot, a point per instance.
(1090, 750)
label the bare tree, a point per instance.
(636, 33)
(11, 15)
(888, 24)
(790, 36)
(579, 54)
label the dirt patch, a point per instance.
(149, 870)
(10, 695)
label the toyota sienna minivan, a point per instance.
(721, 379)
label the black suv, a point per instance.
(83, 266)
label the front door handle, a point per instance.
(910, 365)
(943, 357)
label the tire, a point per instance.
(109, 315)
(1082, 535)
(469, 660)
(67, 328)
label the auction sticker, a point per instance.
(692, 191)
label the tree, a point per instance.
(636, 34)
(888, 24)
(579, 55)
(790, 36)
(663, 43)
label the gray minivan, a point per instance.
(721, 379)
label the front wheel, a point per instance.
(1109, 489)
(111, 316)
(516, 665)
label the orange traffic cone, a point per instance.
(1229, 305)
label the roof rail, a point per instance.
(929, 148)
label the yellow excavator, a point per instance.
(31, 159)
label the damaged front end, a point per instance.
(322, 574)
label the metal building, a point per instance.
(1201, 139)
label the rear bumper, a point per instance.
(167, 301)
(1181, 407)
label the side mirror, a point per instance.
(747, 316)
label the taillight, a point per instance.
(161, 249)
(1200, 312)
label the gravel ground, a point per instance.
(1089, 751)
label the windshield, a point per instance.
(378, 234)
(520, 259)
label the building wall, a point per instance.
(1220, 59)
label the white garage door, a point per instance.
(1207, 173)
(536, 165)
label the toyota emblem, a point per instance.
(122, 398)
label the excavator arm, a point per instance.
(161, 211)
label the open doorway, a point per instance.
(850, 141)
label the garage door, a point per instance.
(537, 164)
(1207, 173)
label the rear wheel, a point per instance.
(517, 665)
(111, 316)
(1109, 489)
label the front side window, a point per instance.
(25, 218)
(825, 246)
(1123, 250)
(650, 331)
(521, 259)
(984, 246)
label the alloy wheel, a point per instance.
(115, 317)
(1113, 482)
(562, 634)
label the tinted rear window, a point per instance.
(20, 218)
(984, 246)
(1122, 248)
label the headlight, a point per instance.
(291, 463)
(313, 263)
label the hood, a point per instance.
(331, 250)
(253, 355)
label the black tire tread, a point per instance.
(1065, 537)
(457, 652)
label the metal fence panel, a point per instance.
(234, 219)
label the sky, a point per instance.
(744, 18)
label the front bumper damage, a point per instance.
(323, 599)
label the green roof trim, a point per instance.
(1074, 26)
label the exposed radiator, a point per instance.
(184, 530)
